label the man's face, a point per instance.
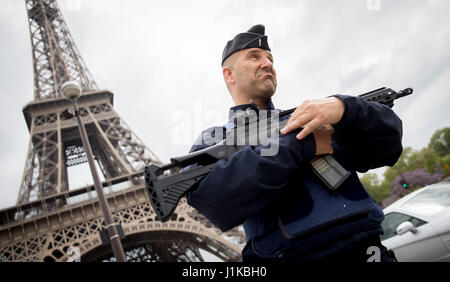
(254, 73)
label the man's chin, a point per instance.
(267, 93)
(269, 88)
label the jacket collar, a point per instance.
(239, 108)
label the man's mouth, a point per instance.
(267, 76)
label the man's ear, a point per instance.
(228, 75)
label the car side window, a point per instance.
(393, 220)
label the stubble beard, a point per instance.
(264, 89)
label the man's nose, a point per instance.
(267, 64)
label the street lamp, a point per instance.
(71, 90)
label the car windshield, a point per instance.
(429, 202)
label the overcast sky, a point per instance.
(161, 59)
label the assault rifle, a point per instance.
(165, 189)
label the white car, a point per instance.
(417, 227)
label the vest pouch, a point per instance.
(314, 207)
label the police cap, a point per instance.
(253, 38)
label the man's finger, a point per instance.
(285, 130)
(296, 123)
(296, 112)
(325, 127)
(329, 128)
(290, 125)
(308, 128)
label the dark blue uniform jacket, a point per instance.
(282, 205)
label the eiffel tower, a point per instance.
(52, 221)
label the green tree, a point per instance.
(425, 158)
(411, 160)
(435, 159)
(373, 186)
(400, 167)
(370, 179)
(440, 142)
(445, 163)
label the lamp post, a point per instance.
(71, 90)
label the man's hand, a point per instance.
(314, 113)
(322, 135)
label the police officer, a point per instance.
(288, 214)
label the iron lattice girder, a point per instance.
(56, 58)
(167, 246)
(43, 230)
(118, 150)
(75, 155)
(49, 218)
